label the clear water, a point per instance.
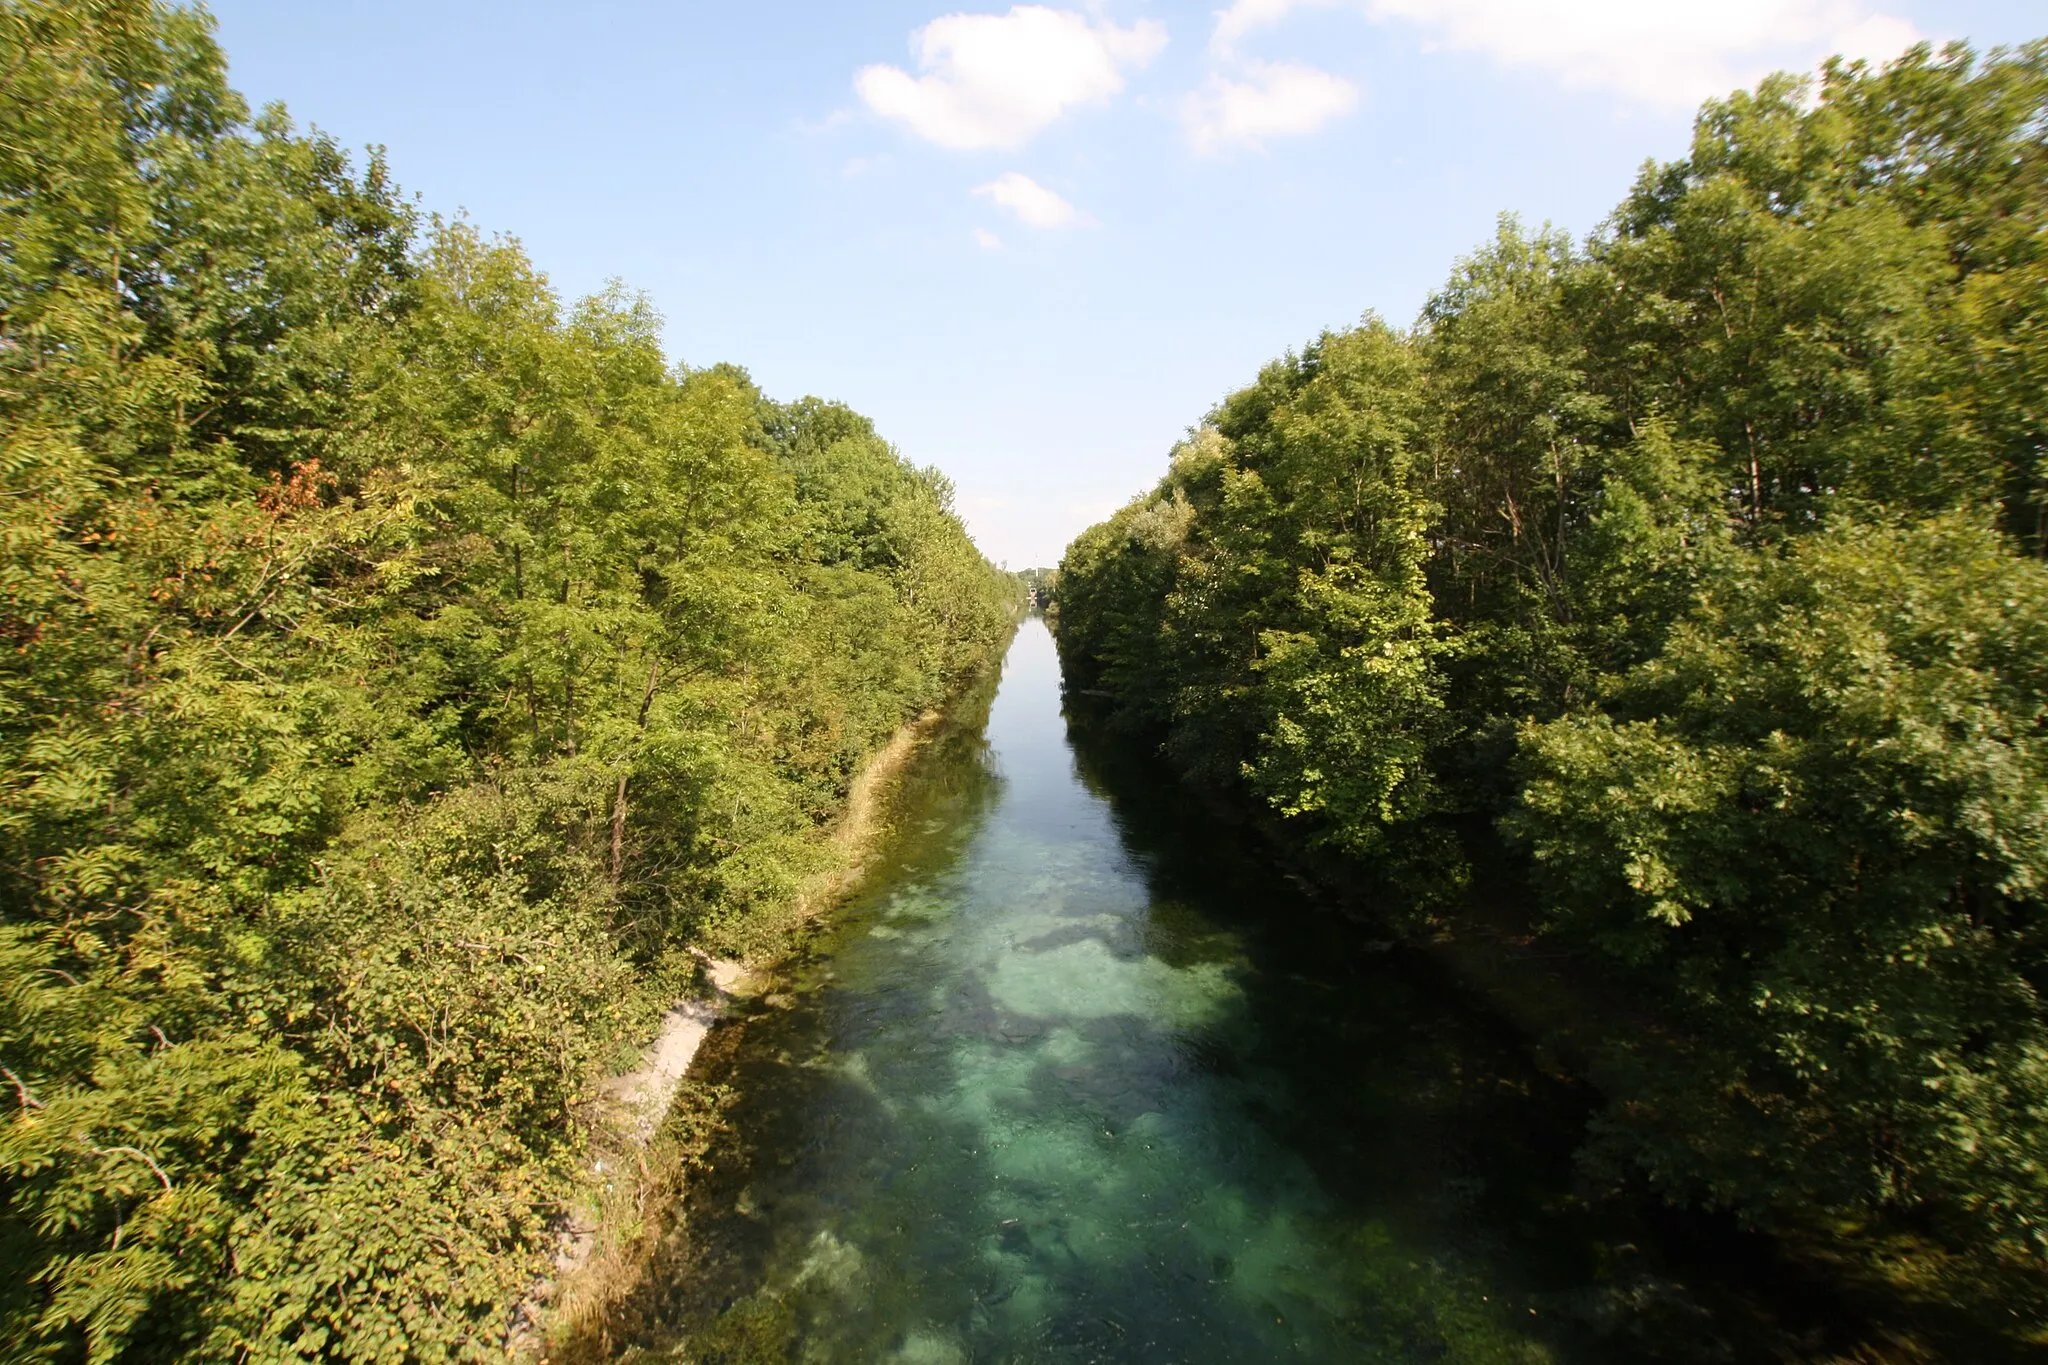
(1077, 1078)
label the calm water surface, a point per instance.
(1078, 1078)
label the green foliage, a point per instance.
(1815, 826)
(1268, 600)
(758, 1330)
(401, 670)
(1704, 558)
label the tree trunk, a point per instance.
(619, 801)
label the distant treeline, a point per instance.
(1703, 561)
(401, 669)
(1038, 585)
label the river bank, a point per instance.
(653, 1125)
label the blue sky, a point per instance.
(1034, 243)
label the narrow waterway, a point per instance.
(1080, 1077)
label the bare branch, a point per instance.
(139, 1155)
(21, 1090)
(493, 948)
(253, 612)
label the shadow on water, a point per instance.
(1078, 1076)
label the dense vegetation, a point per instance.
(402, 669)
(1704, 562)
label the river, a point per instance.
(1078, 1076)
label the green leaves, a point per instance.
(1824, 843)
(1268, 599)
(1703, 558)
(399, 669)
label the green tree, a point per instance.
(403, 668)
(1704, 560)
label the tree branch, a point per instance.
(139, 1155)
(21, 1090)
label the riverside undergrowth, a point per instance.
(402, 669)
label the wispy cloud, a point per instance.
(987, 240)
(998, 80)
(1276, 99)
(1246, 15)
(1034, 204)
(1669, 54)
(817, 127)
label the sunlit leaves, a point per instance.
(1730, 521)
(396, 669)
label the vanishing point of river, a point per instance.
(1078, 1076)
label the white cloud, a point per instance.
(1878, 38)
(1666, 53)
(1245, 15)
(997, 80)
(987, 240)
(1279, 99)
(1032, 202)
